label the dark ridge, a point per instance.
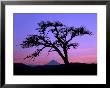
(72, 69)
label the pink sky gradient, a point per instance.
(87, 55)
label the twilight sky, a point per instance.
(26, 23)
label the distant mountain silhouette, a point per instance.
(53, 62)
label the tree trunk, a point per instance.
(66, 61)
(66, 56)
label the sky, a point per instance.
(26, 23)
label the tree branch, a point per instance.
(74, 45)
(35, 54)
(78, 32)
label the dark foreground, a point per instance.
(73, 69)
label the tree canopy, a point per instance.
(62, 38)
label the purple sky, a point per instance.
(26, 23)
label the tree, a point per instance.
(63, 39)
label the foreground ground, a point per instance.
(73, 69)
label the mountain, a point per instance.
(53, 62)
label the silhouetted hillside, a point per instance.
(72, 69)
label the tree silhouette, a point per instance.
(63, 39)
